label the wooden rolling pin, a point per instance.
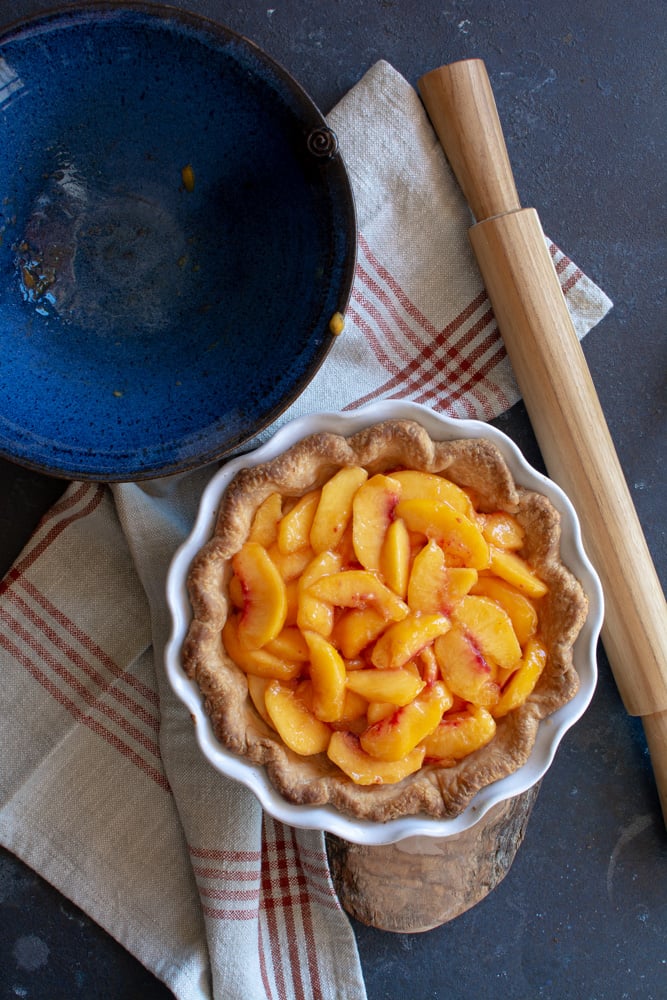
(558, 391)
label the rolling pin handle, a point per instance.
(461, 105)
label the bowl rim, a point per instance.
(551, 729)
(147, 459)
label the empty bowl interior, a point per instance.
(176, 231)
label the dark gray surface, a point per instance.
(581, 93)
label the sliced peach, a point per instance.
(395, 557)
(490, 628)
(328, 674)
(515, 570)
(354, 707)
(297, 726)
(304, 691)
(435, 587)
(520, 608)
(289, 645)
(236, 591)
(290, 565)
(358, 588)
(352, 726)
(404, 639)
(464, 670)
(292, 591)
(314, 614)
(256, 688)
(264, 596)
(502, 529)
(294, 527)
(264, 527)
(395, 736)
(413, 667)
(355, 629)
(345, 751)
(459, 733)
(346, 548)
(378, 710)
(256, 661)
(428, 664)
(355, 663)
(372, 513)
(460, 539)
(429, 486)
(523, 680)
(397, 687)
(334, 511)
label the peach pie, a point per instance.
(382, 620)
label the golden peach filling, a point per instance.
(385, 621)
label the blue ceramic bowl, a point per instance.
(176, 231)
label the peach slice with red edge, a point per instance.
(490, 628)
(523, 680)
(395, 736)
(256, 661)
(372, 513)
(358, 588)
(294, 527)
(395, 557)
(460, 733)
(397, 687)
(464, 670)
(314, 614)
(264, 527)
(459, 537)
(516, 570)
(434, 587)
(401, 641)
(521, 610)
(296, 725)
(264, 596)
(235, 591)
(416, 485)
(346, 753)
(328, 674)
(334, 510)
(502, 529)
(355, 629)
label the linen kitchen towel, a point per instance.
(102, 788)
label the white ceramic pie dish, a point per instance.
(551, 729)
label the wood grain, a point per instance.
(423, 882)
(454, 96)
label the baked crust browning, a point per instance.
(436, 789)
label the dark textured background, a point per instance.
(580, 89)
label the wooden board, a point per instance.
(423, 882)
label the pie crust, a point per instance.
(436, 790)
